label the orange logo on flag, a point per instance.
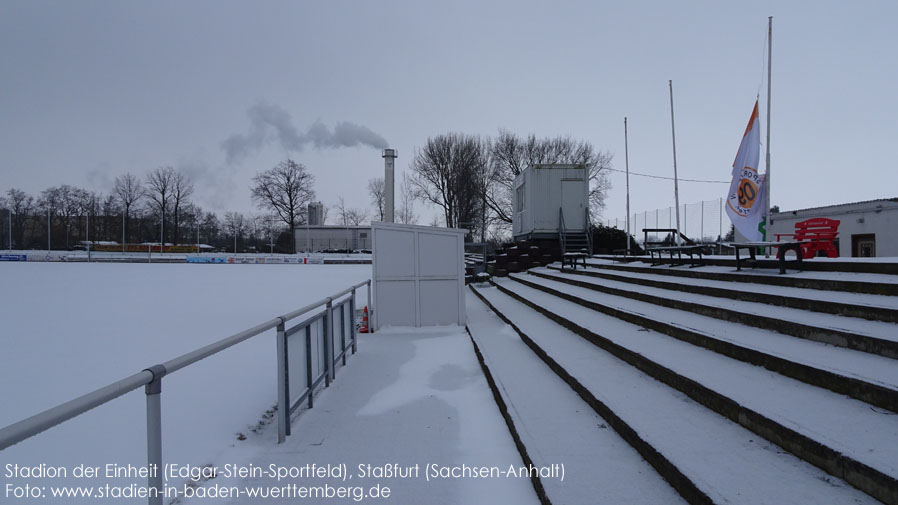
(748, 193)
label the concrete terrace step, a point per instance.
(724, 462)
(888, 266)
(875, 337)
(866, 377)
(878, 284)
(867, 306)
(556, 426)
(850, 441)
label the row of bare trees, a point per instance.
(157, 208)
(470, 177)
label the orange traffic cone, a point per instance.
(364, 327)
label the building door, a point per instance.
(863, 245)
(572, 200)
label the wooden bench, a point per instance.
(783, 248)
(692, 250)
(815, 234)
(572, 258)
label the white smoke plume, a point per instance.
(270, 124)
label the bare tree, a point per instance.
(21, 205)
(285, 190)
(350, 216)
(511, 154)
(210, 227)
(235, 225)
(182, 188)
(160, 185)
(406, 212)
(129, 192)
(447, 173)
(62, 203)
(377, 191)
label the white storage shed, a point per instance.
(542, 193)
(418, 276)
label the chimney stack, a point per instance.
(389, 156)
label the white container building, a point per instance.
(544, 192)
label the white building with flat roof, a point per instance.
(866, 229)
(331, 238)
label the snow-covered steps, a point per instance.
(880, 265)
(866, 377)
(850, 441)
(555, 426)
(876, 337)
(879, 284)
(866, 306)
(725, 462)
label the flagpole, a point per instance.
(627, 164)
(676, 185)
(767, 219)
(769, 66)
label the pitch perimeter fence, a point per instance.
(703, 221)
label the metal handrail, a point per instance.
(589, 232)
(151, 379)
(561, 230)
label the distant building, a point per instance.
(332, 238)
(316, 214)
(866, 229)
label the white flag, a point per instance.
(745, 201)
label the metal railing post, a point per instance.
(370, 308)
(328, 360)
(309, 363)
(352, 325)
(343, 332)
(153, 392)
(283, 394)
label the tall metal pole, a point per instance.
(10, 228)
(676, 183)
(87, 234)
(123, 229)
(769, 66)
(48, 230)
(627, 164)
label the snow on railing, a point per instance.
(322, 347)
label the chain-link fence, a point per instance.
(704, 221)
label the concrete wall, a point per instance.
(877, 217)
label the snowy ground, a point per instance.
(412, 404)
(67, 329)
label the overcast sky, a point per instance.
(224, 90)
